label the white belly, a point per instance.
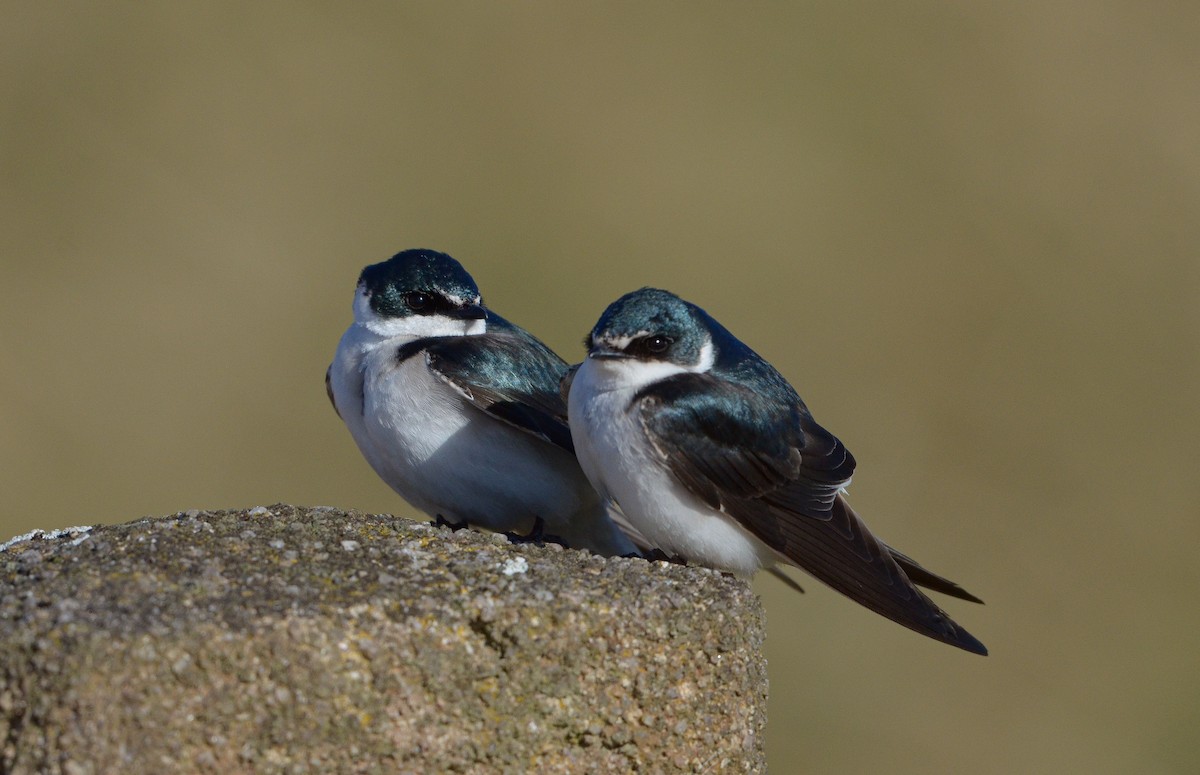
(450, 458)
(617, 457)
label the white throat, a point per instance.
(633, 374)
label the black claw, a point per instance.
(658, 555)
(441, 521)
(537, 535)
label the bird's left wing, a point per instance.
(723, 439)
(565, 382)
(329, 391)
(511, 377)
(773, 469)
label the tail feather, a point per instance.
(924, 577)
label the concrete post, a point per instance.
(291, 640)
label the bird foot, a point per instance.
(537, 535)
(441, 521)
(658, 555)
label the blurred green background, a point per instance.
(969, 234)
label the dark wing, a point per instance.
(723, 439)
(511, 377)
(771, 467)
(329, 392)
(564, 384)
(919, 575)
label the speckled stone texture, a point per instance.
(290, 640)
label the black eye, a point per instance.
(658, 343)
(655, 344)
(418, 300)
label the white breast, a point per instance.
(394, 411)
(448, 457)
(617, 457)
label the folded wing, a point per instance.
(511, 377)
(780, 474)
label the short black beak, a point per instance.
(614, 354)
(468, 312)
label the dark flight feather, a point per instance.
(329, 391)
(505, 372)
(777, 472)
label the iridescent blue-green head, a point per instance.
(420, 293)
(653, 326)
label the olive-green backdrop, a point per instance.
(968, 233)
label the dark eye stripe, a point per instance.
(428, 303)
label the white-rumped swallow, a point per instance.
(713, 457)
(459, 410)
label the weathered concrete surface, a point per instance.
(288, 639)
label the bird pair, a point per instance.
(672, 435)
